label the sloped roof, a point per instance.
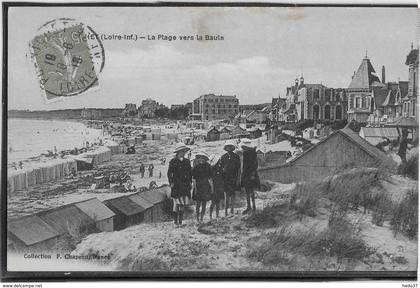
(412, 57)
(95, 209)
(369, 148)
(125, 205)
(381, 158)
(407, 122)
(403, 87)
(365, 76)
(379, 95)
(390, 99)
(65, 218)
(290, 110)
(156, 195)
(314, 86)
(32, 229)
(381, 132)
(212, 128)
(141, 201)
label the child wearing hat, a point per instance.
(219, 191)
(249, 177)
(179, 176)
(230, 165)
(203, 184)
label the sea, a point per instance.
(29, 138)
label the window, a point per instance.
(316, 94)
(337, 98)
(216, 100)
(327, 112)
(358, 102)
(364, 102)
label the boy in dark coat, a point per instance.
(230, 165)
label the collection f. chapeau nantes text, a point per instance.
(66, 256)
(156, 37)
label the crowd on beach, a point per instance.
(213, 178)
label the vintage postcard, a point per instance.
(193, 140)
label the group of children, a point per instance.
(213, 178)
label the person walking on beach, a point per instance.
(179, 177)
(230, 165)
(151, 167)
(202, 183)
(218, 191)
(142, 170)
(249, 177)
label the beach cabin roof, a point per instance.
(381, 132)
(141, 201)
(212, 128)
(377, 154)
(156, 195)
(125, 205)
(405, 122)
(95, 209)
(64, 218)
(32, 229)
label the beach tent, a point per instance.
(69, 219)
(98, 212)
(127, 212)
(158, 197)
(146, 205)
(31, 232)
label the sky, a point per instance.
(263, 51)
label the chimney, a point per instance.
(383, 74)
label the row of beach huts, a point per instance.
(45, 230)
(34, 173)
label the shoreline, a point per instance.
(47, 157)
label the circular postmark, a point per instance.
(68, 57)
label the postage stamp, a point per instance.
(66, 60)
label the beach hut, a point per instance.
(83, 162)
(224, 133)
(375, 135)
(237, 131)
(146, 205)
(343, 149)
(158, 197)
(98, 212)
(31, 232)
(127, 212)
(69, 219)
(156, 136)
(255, 133)
(212, 134)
